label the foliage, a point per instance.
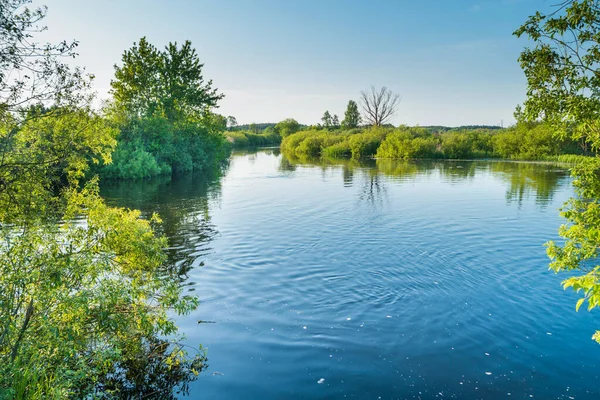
(365, 145)
(352, 118)
(327, 120)
(44, 152)
(169, 82)
(162, 106)
(561, 70)
(580, 252)
(563, 90)
(287, 127)
(407, 143)
(85, 296)
(231, 122)
(531, 141)
(268, 137)
(523, 141)
(456, 145)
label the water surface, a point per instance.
(380, 280)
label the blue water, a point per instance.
(389, 280)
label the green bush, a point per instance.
(155, 146)
(528, 141)
(338, 150)
(524, 141)
(268, 137)
(237, 139)
(403, 144)
(456, 145)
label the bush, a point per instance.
(531, 141)
(268, 137)
(341, 149)
(403, 144)
(457, 145)
(154, 146)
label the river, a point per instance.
(375, 280)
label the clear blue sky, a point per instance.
(453, 62)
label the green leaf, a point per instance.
(579, 303)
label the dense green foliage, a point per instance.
(287, 127)
(533, 141)
(162, 106)
(268, 137)
(352, 118)
(154, 146)
(86, 299)
(260, 126)
(563, 88)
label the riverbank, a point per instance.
(524, 141)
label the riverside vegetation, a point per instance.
(525, 141)
(87, 294)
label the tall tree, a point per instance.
(563, 82)
(563, 88)
(287, 127)
(168, 82)
(335, 121)
(379, 106)
(352, 117)
(231, 122)
(327, 120)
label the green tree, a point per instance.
(561, 70)
(164, 110)
(327, 120)
(84, 292)
(168, 82)
(335, 121)
(352, 118)
(287, 127)
(564, 89)
(231, 122)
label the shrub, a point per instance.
(456, 145)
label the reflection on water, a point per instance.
(375, 279)
(524, 178)
(183, 204)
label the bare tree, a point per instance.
(379, 105)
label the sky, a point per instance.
(453, 62)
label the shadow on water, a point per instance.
(183, 203)
(523, 179)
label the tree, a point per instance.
(168, 82)
(335, 121)
(352, 117)
(164, 110)
(563, 88)
(84, 292)
(561, 70)
(379, 105)
(327, 121)
(287, 127)
(231, 122)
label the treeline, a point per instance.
(271, 135)
(441, 128)
(531, 141)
